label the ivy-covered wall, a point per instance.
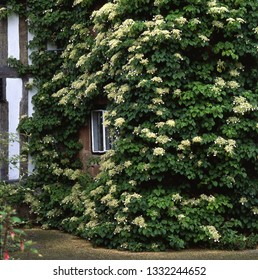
(181, 82)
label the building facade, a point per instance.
(15, 99)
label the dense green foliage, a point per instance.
(181, 82)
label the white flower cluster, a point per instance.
(220, 141)
(158, 151)
(229, 144)
(90, 209)
(213, 233)
(177, 92)
(120, 219)
(234, 73)
(116, 93)
(255, 30)
(209, 198)
(124, 246)
(159, 124)
(191, 201)
(162, 139)
(232, 20)
(176, 197)
(118, 229)
(157, 79)
(157, 101)
(242, 105)
(180, 217)
(127, 163)
(54, 213)
(255, 210)
(155, 33)
(107, 10)
(212, 3)
(162, 91)
(115, 58)
(217, 10)
(233, 84)
(243, 200)
(181, 20)
(232, 120)
(184, 145)
(203, 38)
(119, 122)
(176, 33)
(91, 224)
(129, 197)
(109, 200)
(58, 76)
(106, 165)
(91, 88)
(154, 246)
(218, 24)
(75, 197)
(98, 190)
(150, 134)
(140, 222)
(197, 139)
(132, 183)
(195, 21)
(220, 82)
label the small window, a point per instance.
(100, 139)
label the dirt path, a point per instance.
(57, 245)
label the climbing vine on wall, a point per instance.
(53, 130)
(181, 82)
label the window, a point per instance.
(100, 139)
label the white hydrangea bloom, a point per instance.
(171, 123)
(158, 151)
(214, 234)
(242, 105)
(140, 222)
(162, 139)
(181, 20)
(197, 139)
(233, 84)
(119, 122)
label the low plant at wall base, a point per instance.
(12, 237)
(181, 82)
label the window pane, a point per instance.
(97, 131)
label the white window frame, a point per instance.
(93, 125)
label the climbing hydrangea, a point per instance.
(178, 80)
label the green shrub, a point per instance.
(181, 82)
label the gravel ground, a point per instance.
(57, 245)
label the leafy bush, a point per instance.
(181, 82)
(182, 88)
